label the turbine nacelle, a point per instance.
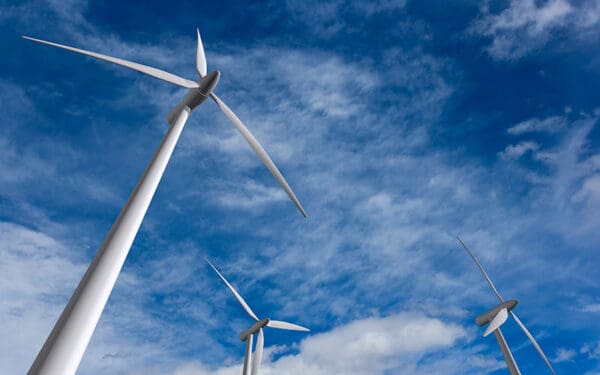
(196, 96)
(206, 85)
(254, 328)
(489, 315)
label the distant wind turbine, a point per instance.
(497, 316)
(66, 344)
(255, 328)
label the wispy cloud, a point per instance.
(513, 152)
(523, 27)
(563, 355)
(324, 18)
(550, 124)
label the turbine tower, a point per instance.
(66, 344)
(256, 328)
(497, 316)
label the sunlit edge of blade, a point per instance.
(148, 70)
(258, 352)
(235, 293)
(533, 342)
(201, 65)
(285, 325)
(487, 278)
(260, 151)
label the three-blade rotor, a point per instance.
(201, 67)
(258, 351)
(527, 333)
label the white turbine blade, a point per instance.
(262, 154)
(200, 57)
(285, 325)
(535, 344)
(156, 73)
(247, 358)
(235, 293)
(258, 352)
(498, 320)
(487, 278)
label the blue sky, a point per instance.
(399, 124)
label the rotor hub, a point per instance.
(254, 328)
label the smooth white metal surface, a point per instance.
(508, 357)
(487, 278)
(259, 150)
(498, 320)
(200, 57)
(156, 73)
(258, 351)
(285, 325)
(235, 293)
(248, 357)
(533, 342)
(66, 344)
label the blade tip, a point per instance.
(299, 206)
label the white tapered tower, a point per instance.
(66, 344)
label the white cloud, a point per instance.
(323, 18)
(527, 25)
(571, 182)
(563, 355)
(589, 191)
(250, 196)
(514, 152)
(592, 350)
(367, 346)
(590, 308)
(37, 276)
(549, 124)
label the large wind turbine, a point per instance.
(64, 347)
(497, 316)
(255, 328)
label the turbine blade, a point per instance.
(258, 352)
(156, 73)
(508, 357)
(535, 344)
(235, 293)
(285, 325)
(262, 154)
(247, 358)
(498, 320)
(487, 278)
(200, 57)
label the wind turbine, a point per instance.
(497, 316)
(255, 328)
(66, 344)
